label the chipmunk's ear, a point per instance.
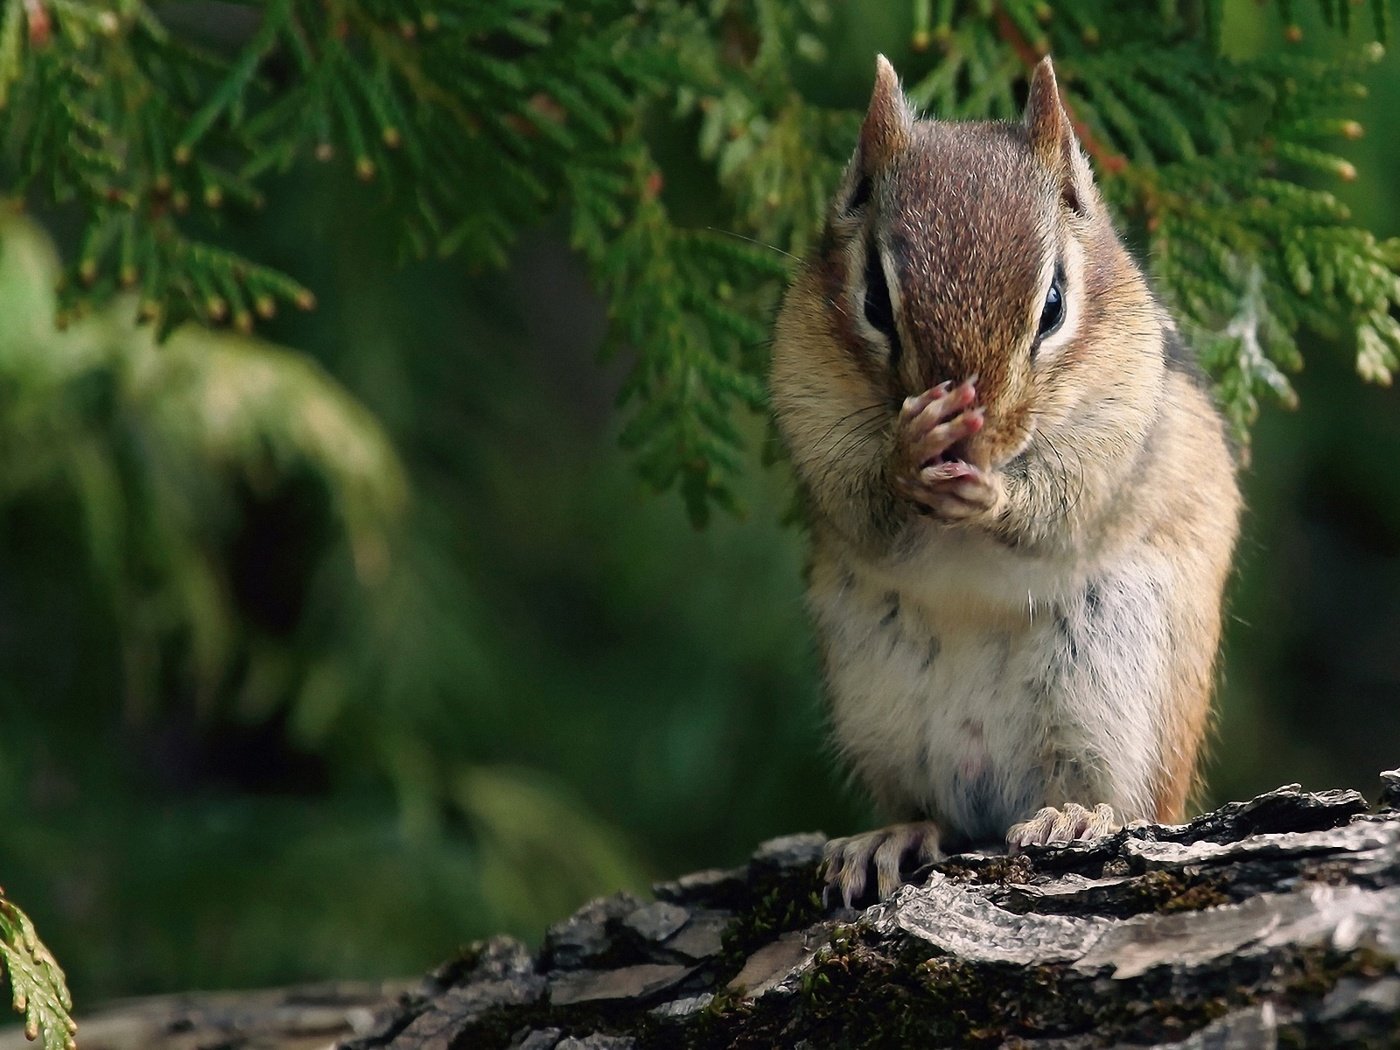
(888, 122)
(1052, 137)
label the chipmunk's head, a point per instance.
(955, 250)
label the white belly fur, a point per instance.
(978, 720)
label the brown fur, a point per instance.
(1099, 455)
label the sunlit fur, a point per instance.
(1060, 646)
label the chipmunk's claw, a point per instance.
(930, 467)
(891, 852)
(1053, 826)
(932, 422)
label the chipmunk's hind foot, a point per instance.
(892, 853)
(1053, 826)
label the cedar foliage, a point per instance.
(37, 988)
(152, 142)
(478, 120)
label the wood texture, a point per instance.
(1273, 922)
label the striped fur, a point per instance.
(1058, 645)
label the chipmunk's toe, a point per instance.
(1052, 826)
(892, 853)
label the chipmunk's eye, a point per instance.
(1053, 312)
(878, 308)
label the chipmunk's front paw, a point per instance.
(892, 853)
(1053, 826)
(930, 469)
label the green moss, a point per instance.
(1317, 971)
(782, 899)
(860, 993)
(1164, 892)
(994, 871)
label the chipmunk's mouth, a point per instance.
(961, 451)
(991, 451)
(954, 453)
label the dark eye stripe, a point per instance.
(878, 308)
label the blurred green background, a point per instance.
(322, 662)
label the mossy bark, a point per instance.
(1265, 923)
(1274, 922)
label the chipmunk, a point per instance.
(1023, 503)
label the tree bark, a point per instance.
(1273, 922)
(313, 1017)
